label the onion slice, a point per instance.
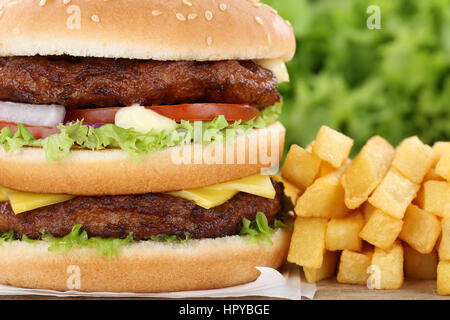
(37, 115)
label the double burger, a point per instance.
(136, 143)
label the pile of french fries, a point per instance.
(372, 220)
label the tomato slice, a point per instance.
(191, 112)
(38, 132)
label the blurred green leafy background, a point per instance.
(394, 81)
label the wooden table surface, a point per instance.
(411, 290)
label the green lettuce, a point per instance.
(80, 136)
(109, 247)
(259, 230)
(170, 239)
(6, 236)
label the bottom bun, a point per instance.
(142, 267)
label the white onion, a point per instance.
(33, 114)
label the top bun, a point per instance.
(199, 30)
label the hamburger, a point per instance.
(135, 142)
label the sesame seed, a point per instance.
(95, 18)
(223, 6)
(1, 6)
(186, 2)
(209, 41)
(192, 16)
(288, 23)
(180, 17)
(42, 3)
(269, 39)
(273, 10)
(156, 13)
(208, 15)
(257, 4)
(66, 2)
(259, 20)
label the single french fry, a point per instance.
(394, 194)
(420, 266)
(381, 230)
(353, 266)
(308, 242)
(443, 166)
(366, 171)
(443, 278)
(300, 167)
(434, 197)
(387, 268)
(323, 199)
(444, 245)
(343, 233)
(332, 146)
(326, 271)
(420, 230)
(413, 159)
(438, 149)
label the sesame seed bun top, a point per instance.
(145, 29)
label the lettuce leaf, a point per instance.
(259, 230)
(109, 247)
(170, 239)
(79, 136)
(6, 236)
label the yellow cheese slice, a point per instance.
(26, 201)
(215, 195)
(3, 195)
(257, 184)
(206, 198)
(277, 66)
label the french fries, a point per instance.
(421, 229)
(413, 159)
(353, 267)
(387, 268)
(366, 171)
(434, 197)
(385, 214)
(343, 233)
(381, 229)
(327, 269)
(300, 167)
(332, 146)
(394, 194)
(323, 199)
(308, 242)
(420, 266)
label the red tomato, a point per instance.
(38, 132)
(192, 112)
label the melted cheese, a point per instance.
(26, 201)
(213, 196)
(277, 66)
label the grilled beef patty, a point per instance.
(145, 215)
(102, 82)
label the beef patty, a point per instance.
(145, 215)
(101, 82)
